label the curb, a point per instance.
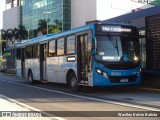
(29, 108)
(8, 74)
(18, 103)
(142, 88)
(153, 90)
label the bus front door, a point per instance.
(82, 59)
(43, 55)
(23, 62)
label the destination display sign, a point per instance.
(111, 28)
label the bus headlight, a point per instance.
(104, 74)
(135, 58)
(139, 71)
(99, 71)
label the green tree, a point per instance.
(3, 37)
(155, 2)
(7, 35)
(22, 33)
(55, 28)
(3, 34)
(10, 35)
(16, 33)
(19, 33)
(42, 26)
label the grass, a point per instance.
(8, 71)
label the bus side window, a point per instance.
(35, 51)
(18, 54)
(29, 52)
(52, 48)
(60, 46)
(70, 45)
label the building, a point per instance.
(53, 11)
(28, 13)
(85, 11)
(69, 13)
(11, 16)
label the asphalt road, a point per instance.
(56, 97)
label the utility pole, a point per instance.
(46, 13)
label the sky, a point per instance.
(2, 8)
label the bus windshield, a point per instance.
(112, 48)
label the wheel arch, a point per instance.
(69, 72)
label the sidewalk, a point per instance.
(9, 106)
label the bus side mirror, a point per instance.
(95, 50)
(94, 44)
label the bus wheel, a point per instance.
(30, 78)
(73, 82)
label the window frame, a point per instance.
(64, 45)
(37, 51)
(54, 49)
(19, 54)
(66, 41)
(26, 56)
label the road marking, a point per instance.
(90, 98)
(31, 108)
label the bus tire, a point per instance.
(73, 84)
(30, 78)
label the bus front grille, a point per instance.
(122, 79)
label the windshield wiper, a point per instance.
(117, 47)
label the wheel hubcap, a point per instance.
(30, 78)
(73, 82)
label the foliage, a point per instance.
(155, 2)
(2, 60)
(55, 28)
(22, 32)
(42, 26)
(8, 71)
(19, 33)
(10, 34)
(3, 34)
(16, 33)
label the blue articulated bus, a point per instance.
(101, 54)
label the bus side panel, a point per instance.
(33, 65)
(52, 64)
(114, 77)
(90, 79)
(27, 65)
(60, 72)
(18, 68)
(64, 66)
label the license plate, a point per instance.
(124, 80)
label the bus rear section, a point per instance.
(117, 58)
